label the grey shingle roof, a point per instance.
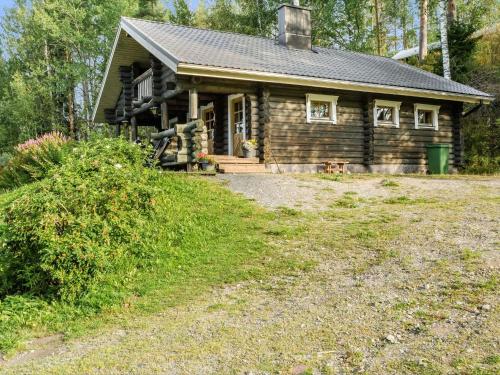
(237, 51)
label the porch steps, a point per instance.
(233, 164)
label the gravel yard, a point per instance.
(312, 192)
(402, 279)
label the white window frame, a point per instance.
(396, 106)
(435, 116)
(230, 111)
(332, 99)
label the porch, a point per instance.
(154, 100)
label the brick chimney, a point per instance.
(294, 24)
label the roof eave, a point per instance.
(164, 56)
(248, 75)
(106, 73)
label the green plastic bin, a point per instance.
(437, 158)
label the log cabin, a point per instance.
(303, 105)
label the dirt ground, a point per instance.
(403, 280)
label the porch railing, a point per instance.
(143, 85)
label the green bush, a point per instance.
(477, 164)
(88, 218)
(33, 160)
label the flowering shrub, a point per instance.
(66, 232)
(33, 159)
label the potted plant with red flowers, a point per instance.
(206, 162)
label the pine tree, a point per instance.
(150, 9)
(424, 9)
(223, 16)
(181, 14)
(200, 16)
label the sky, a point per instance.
(8, 3)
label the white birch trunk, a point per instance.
(443, 28)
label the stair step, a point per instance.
(234, 160)
(243, 168)
(223, 159)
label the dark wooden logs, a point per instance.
(126, 78)
(264, 118)
(368, 132)
(133, 129)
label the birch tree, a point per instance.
(443, 28)
(422, 50)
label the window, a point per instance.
(208, 116)
(386, 113)
(426, 116)
(238, 116)
(321, 108)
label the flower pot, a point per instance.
(249, 153)
(207, 167)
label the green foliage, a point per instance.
(181, 14)
(32, 160)
(477, 164)
(66, 231)
(150, 10)
(462, 47)
(103, 231)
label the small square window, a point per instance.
(321, 108)
(426, 116)
(386, 113)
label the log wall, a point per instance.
(294, 141)
(354, 138)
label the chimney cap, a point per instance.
(293, 6)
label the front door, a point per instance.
(237, 125)
(208, 116)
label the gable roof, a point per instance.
(188, 50)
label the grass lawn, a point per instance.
(403, 282)
(222, 240)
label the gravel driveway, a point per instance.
(311, 192)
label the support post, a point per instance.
(264, 118)
(164, 115)
(118, 130)
(126, 129)
(193, 104)
(368, 133)
(133, 129)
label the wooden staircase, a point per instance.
(234, 164)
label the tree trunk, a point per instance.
(377, 27)
(422, 51)
(443, 28)
(452, 11)
(71, 113)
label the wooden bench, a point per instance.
(335, 166)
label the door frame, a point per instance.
(230, 100)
